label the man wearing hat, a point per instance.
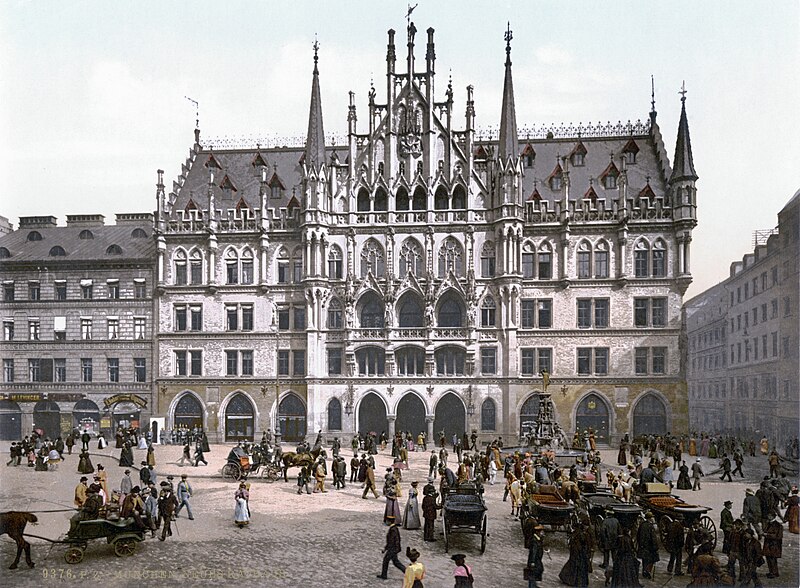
(534, 568)
(90, 509)
(80, 492)
(133, 506)
(697, 473)
(184, 492)
(751, 558)
(674, 542)
(647, 545)
(167, 503)
(390, 551)
(433, 463)
(773, 545)
(125, 486)
(609, 536)
(751, 510)
(726, 524)
(429, 511)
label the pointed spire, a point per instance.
(683, 164)
(315, 140)
(653, 112)
(508, 118)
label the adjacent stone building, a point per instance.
(744, 340)
(420, 275)
(77, 312)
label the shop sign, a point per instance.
(117, 398)
(23, 397)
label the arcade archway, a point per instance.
(239, 419)
(528, 414)
(451, 417)
(292, 416)
(649, 416)
(188, 412)
(10, 421)
(410, 415)
(372, 415)
(47, 417)
(86, 416)
(592, 412)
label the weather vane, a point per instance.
(408, 14)
(196, 111)
(683, 91)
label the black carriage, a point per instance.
(549, 508)
(667, 507)
(464, 511)
(596, 506)
(122, 534)
(240, 465)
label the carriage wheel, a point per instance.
(231, 471)
(272, 474)
(663, 527)
(708, 525)
(483, 533)
(73, 555)
(446, 536)
(124, 547)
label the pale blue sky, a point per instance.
(92, 92)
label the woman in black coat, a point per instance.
(576, 571)
(683, 478)
(625, 573)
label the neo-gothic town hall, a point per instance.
(420, 276)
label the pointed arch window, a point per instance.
(488, 260)
(420, 200)
(297, 265)
(381, 200)
(641, 259)
(335, 314)
(410, 313)
(584, 260)
(283, 266)
(247, 266)
(451, 258)
(231, 267)
(372, 313)
(545, 261)
(362, 202)
(528, 261)
(601, 260)
(441, 200)
(335, 271)
(488, 415)
(372, 259)
(451, 312)
(179, 268)
(401, 200)
(196, 267)
(488, 312)
(659, 259)
(459, 198)
(412, 258)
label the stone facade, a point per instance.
(743, 341)
(78, 328)
(421, 278)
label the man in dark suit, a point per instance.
(167, 503)
(391, 551)
(429, 512)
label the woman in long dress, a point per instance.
(411, 516)
(126, 456)
(142, 442)
(625, 573)
(101, 442)
(151, 455)
(241, 514)
(391, 513)
(793, 512)
(85, 463)
(683, 478)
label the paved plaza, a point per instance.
(331, 539)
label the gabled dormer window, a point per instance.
(528, 155)
(556, 177)
(227, 186)
(578, 155)
(276, 187)
(629, 152)
(610, 182)
(609, 177)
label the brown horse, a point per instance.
(13, 524)
(292, 459)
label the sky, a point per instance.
(93, 93)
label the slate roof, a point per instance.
(77, 249)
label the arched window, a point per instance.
(488, 415)
(420, 200)
(334, 415)
(34, 236)
(601, 261)
(87, 234)
(459, 198)
(362, 203)
(335, 314)
(57, 251)
(487, 260)
(372, 259)
(335, 271)
(528, 414)
(592, 413)
(297, 265)
(189, 412)
(401, 200)
(410, 313)
(283, 266)
(138, 233)
(441, 200)
(247, 266)
(450, 361)
(488, 309)
(650, 416)
(371, 361)
(410, 361)
(659, 259)
(451, 312)
(114, 250)
(239, 419)
(372, 313)
(528, 261)
(231, 267)
(584, 260)
(196, 267)
(641, 259)
(179, 271)
(545, 261)
(381, 200)
(412, 258)
(451, 258)
(4, 253)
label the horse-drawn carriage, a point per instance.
(122, 534)
(599, 504)
(549, 508)
(464, 511)
(240, 465)
(666, 507)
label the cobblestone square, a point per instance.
(331, 539)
